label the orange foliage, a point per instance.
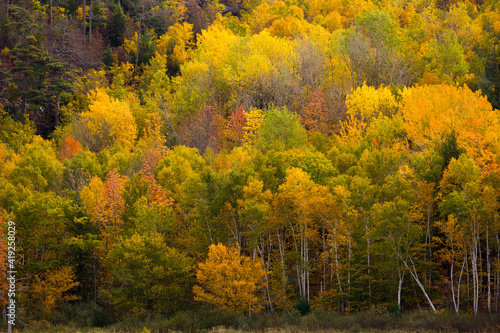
(235, 128)
(433, 112)
(314, 114)
(50, 290)
(156, 193)
(115, 204)
(105, 204)
(70, 148)
(155, 142)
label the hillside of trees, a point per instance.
(254, 156)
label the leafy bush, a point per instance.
(395, 310)
(303, 307)
(376, 317)
(82, 315)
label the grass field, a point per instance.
(375, 320)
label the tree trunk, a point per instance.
(84, 20)
(401, 277)
(368, 260)
(474, 249)
(413, 273)
(267, 291)
(497, 292)
(488, 267)
(50, 12)
(137, 49)
(56, 110)
(90, 22)
(349, 256)
(336, 259)
(323, 282)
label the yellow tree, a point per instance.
(302, 200)
(230, 280)
(253, 120)
(432, 113)
(368, 103)
(253, 213)
(108, 121)
(461, 205)
(48, 291)
(453, 251)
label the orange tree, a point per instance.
(230, 280)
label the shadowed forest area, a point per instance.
(296, 165)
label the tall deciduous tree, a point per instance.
(147, 275)
(107, 122)
(230, 280)
(281, 130)
(48, 291)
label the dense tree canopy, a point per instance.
(345, 154)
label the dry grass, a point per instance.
(374, 320)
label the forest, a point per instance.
(161, 158)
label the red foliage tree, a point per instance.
(314, 114)
(234, 133)
(156, 193)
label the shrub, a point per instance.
(82, 315)
(303, 307)
(376, 317)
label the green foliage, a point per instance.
(118, 25)
(147, 275)
(15, 134)
(147, 48)
(281, 130)
(38, 167)
(445, 57)
(302, 306)
(378, 27)
(334, 140)
(449, 149)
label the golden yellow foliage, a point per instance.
(108, 121)
(288, 27)
(48, 292)
(92, 197)
(79, 12)
(254, 119)
(334, 21)
(230, 280)
(434, 112)
(368, 102)
(176, 43)
(214, 44)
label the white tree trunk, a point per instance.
(413, 272)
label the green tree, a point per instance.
(281, 130)
(147, 275)
(445, 57)
(35, 79)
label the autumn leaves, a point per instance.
(230, 280)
